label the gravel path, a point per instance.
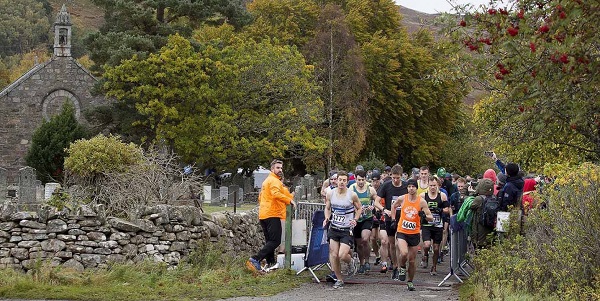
(374, 285)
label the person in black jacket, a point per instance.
(512, 192)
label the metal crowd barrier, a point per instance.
(305, 211)
(459, 246)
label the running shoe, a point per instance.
(383, 268)
(424, 262)
(433, 271)
(367, 267)
(331, 277)
(395, 274)
(410, 285)
(253, 265)
(402, 274)
(272, 267)
(338, 284)
(361, 269)
(377, 260)
(352, 267)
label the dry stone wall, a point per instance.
(88, 239)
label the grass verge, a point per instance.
(208, 274)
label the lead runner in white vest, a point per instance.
(342, 209)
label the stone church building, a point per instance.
(41, 93)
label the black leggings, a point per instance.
(272, 230)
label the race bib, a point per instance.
(339, 220)
(409, 225)
(437, 220)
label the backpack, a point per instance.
(491, 206)
(465, 209)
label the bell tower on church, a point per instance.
(62, 33)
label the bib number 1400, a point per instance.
(409, 225)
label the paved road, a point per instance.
(374, 286)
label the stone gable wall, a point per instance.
(87, 239)
(22, 105)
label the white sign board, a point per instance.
(502, 220)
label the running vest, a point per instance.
(421, 189)
(365, 201)
(410, 221)
(342, 209)
(436, 210)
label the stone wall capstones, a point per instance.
(88, 239)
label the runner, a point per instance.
(342, 208)
(438, 203)
(366, 194)
(389, 191)
(423, 179)
(376, 183)
(412, 209)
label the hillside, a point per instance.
(414, 20)
(87, 16)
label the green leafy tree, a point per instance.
(227, 107)
(340, 71)
(414, 103)
(540, 60)
(407, 78)
(142, 27)
(463, 151)
(290, 22)
(4, 76)
(24, 24)
(48, 144)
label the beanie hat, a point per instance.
(412, 182)
(376, 175)
(441, 172)
(512, 169)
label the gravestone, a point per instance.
(223, 193)
(39, 191)
(49, 190)
(27, 185)
(206, 190)
(3, 185)
(233, 195)
(215, 197)
(311, 188)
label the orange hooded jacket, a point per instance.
(273, 198)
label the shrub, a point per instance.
(157, 179)
(90, 158)
(557, 256)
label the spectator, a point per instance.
(491, 174)
(272, 200)
(480, 232)
(513, 189)
(457, 198)
(500, 182)
(528, 188)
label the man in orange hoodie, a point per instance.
(273, 199)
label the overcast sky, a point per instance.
(435, 6)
